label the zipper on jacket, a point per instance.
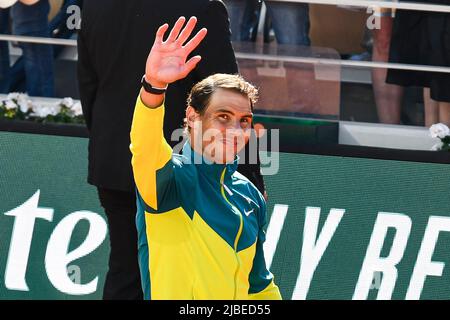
(241, 224)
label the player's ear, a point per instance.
(191, 116)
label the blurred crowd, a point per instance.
(33, 72)
(405, 37)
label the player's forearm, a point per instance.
(166, 63)
(147, 133)
(149, 149)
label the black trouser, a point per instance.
(123, 280)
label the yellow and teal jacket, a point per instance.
(200, 225)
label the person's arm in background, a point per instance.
(59, 24)
(87, 78)
(151, 161)
(218, 57)
(29, 2)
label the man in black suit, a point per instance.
(113, 45)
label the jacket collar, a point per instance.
(210, 169)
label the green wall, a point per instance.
(362, 187)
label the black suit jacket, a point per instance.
(113, 44)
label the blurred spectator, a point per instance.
(291, 24)
(423, 38)
(290, 20)
(4, 52)
(236, 12)
(58, 25)
(58, 29)
(367, 45)
(249, 28)
(32, 20)
(388, 97)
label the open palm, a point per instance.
(166, 62)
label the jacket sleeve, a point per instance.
(262, 285)
(152, 164)
(87, 80)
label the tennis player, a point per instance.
(200, 223)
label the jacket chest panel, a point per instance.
(229, 214)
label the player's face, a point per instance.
(226, 126)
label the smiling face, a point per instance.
(219, 116)
(224, 128)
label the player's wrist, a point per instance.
(155, 83)
(150, 100)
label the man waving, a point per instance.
(200, 223)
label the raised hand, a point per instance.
(166, 62)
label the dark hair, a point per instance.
(200, 95)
